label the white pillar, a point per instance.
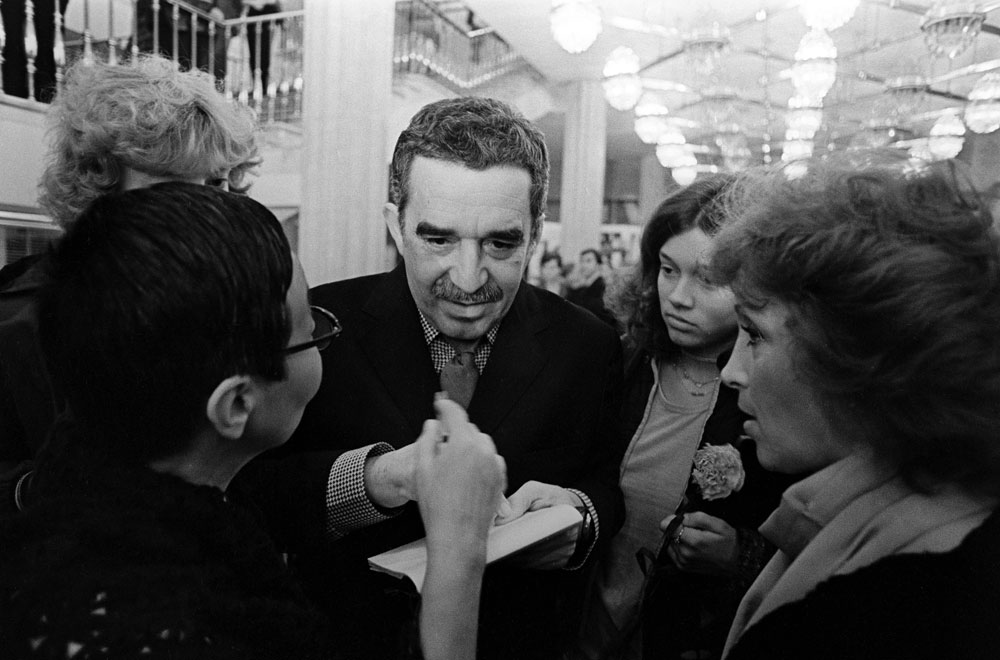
(581, 203)
(348, 91)
(653, 186)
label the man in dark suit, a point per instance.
(468, 184)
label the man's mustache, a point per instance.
(445, 289)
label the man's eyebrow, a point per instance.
(507, 235)
(424, 228)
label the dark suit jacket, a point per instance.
(548, 397)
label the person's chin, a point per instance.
(686, 337)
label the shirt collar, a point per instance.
(431, 333)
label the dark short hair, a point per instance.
(635, 299)
(597, 255)
(477, 133)
(551, 256)
(892, 278)
(154, 297)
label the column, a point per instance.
(581, 203)
(348, 90)
(653, 186)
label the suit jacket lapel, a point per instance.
(515, 361)
(395, 346)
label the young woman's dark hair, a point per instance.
(120, 370)
(635, 300)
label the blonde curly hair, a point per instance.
(150, 117)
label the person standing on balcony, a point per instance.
(468, 184)
(15, 59)
(112, 128)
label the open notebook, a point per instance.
(530, 530)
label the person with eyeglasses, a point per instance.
(177, 323)
(112, 128)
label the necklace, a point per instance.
(698, 385)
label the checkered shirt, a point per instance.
(443, 351)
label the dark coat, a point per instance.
(118, 558)
(548, 397)
(683, 611)
(920, 606)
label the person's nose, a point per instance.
(682, 295)
(468, 272)
(734, 374)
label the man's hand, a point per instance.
(704, 544)
(556, 552)
(390, 479)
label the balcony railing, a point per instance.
(462, 58)
(256, 56)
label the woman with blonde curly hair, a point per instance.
(124, 127)
(112, 128)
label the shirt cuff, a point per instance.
(347, 504)
(583, 553)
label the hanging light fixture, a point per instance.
(733, 146)
(685, 174)
(575, 24)
(908, 94)
(815, 68)
(673, 151)
(982, 114)
(803, 117)
(947, 137)
(827, 14)
(622, 85)
(950, 26)
(650, 118)
(796, 150)
(705, 46)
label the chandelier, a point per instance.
(622, 85)
(650, 118)
(827, 14)
(685, 174)
(673, 151)
(815, 68)
(908, 93)
(947, 137)
(951, 26)
(720, 105)
(732, 145)
(796, 150)
(705, 46)
(803, 118)
(575, 24)
(982, 114)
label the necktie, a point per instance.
(459, 376)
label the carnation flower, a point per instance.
(717, 471)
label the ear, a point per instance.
(390, 213)
(230, 405)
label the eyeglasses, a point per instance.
(325, 329)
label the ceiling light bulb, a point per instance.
(684, 175)
(649, 128)
(575, 24)
(947, 137)
(796, 150)
(815, 68)
(982, 114)
(622, 85)
(827, 14)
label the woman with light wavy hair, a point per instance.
(112, 128)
